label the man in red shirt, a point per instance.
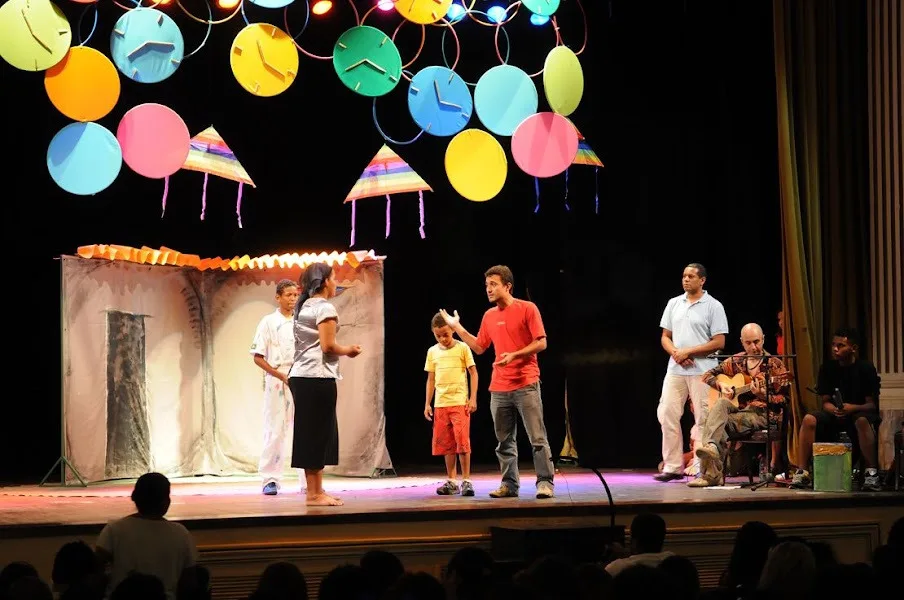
(515, 329)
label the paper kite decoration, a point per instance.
(388, 174)
(210, 155)
(587, 157)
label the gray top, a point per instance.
(310, 361)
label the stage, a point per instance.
(239, 531)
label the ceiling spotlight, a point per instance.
(227, 4)
(321, 7)
(385, 5)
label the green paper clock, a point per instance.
(367, 61)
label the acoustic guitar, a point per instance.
(741, 384)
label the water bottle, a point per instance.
(844, 438)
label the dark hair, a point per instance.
(282, 284)
(503, 272)
(701, 270)
(152, 495)
(850, 333)
(73, 562)
(437, 321)
(312, 281)
(648, 532)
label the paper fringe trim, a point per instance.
(568, 208)
(204, 197)
(238, 204)
(168, 256)
(165, 194)
(420, 208)
(537, 192)
(354, 204)
(388, 203)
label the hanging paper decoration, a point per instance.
(587, 157)
(210, 155)
(388, 174)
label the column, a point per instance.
(886, 140)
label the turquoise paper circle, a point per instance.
(146, 45)
(278, 3)
(504, 96)
(541, 7)
(84, 158)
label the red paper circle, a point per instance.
(154, 140)
(544, 144)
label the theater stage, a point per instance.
(239, 531)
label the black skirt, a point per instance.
(316, 440)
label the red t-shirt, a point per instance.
(510, 329)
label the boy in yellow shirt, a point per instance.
(449, 362)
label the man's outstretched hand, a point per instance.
(451, 320)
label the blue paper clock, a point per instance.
(439, 101)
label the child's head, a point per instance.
(286, 294)
(441, 331)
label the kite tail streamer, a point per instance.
(204, 197)
(537, 192)
(596, 179)
(354, 203)
(388, 202)
(238, 204)
(420, 207)
(165, 194)
(568, 208)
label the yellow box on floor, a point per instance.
(831, 467)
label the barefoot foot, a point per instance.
(322, 500)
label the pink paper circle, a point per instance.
(154, 140)
(544, 144)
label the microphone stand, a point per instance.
(768, 478)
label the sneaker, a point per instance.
(545, 490)
(504, 491)
(871, 481)
(450, 488)
(467, 488)
(270, 489)
(801, 480)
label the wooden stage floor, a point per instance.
(239, 531)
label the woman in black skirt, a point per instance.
(312, 380)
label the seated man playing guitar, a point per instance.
(737, 404)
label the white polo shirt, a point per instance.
(693, 324)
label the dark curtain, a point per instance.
(821, 93)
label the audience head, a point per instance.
(139, 586)
(468, 572)
(647, 533)
(29, 587)
(683, 575)
(383, 569)
(416, 586)
(73, 563)
(593, 582)
(194, 584)
(13, 572)
(896, 533)
(641, 581)
(346, 582)
(789, 572)
(282, 581)
(751, 549)
(152, 495)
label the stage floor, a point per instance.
(408, 497)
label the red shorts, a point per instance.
(451, 430)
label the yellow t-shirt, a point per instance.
(450, 367)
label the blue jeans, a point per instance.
(505, 407)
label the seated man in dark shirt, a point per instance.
(857, 384)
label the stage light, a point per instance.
(226, 4)
(321, 7)
(165, 2)
(455, 13)
(539, 20)
(496, 14)
(385, 5)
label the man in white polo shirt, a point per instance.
(693, 325)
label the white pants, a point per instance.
(675, 390)
(279, 422)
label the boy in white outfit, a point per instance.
(274, 351)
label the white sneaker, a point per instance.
(545, 490)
